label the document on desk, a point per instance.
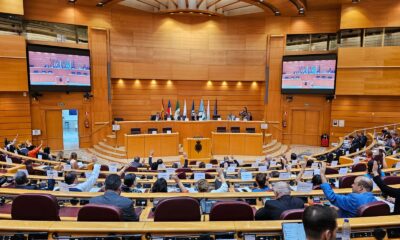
(293, 231)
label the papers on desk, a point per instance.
(95, 189)
(67, 167)
(308, 173)
(246, 176)
(163, 175)
(209, 166)
(231, 169)
(113, 167)
(304, 187)
(262, 168)
(243, 189)
(317, 171)
(52, 174)
(284, 175)
(170, 170)
(343, 171)
(334, 163)
(199, 175)
(254, 165)
(293, 231)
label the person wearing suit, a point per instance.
(112, 197)
(274, 208)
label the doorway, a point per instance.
(70, 129)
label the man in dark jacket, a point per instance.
(274, 208)
(112, 197)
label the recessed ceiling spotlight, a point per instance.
(72, 1)
(277, 13)
(301, 11)
(355, 1)
(100, 4)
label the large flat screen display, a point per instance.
(309, 74)
(58, 69)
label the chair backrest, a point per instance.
(331, 171)
(214, 161)
(166, 129)
(292, 214)
(99, 213)
(373, 209)
(193, 162)
(390, 180)
(181, 175)
(16, 160)
(221, 129)
(183, 170)
(235, 129)
(177, 210)
(359, 167)
(36, 207)
(346, 181)
(131, 169)
(231, 211)
(150, 130)
(215, 117)
(104, 168)
(118, 119)
(136, 131)
(250, 130)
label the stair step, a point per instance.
(271, 144)
(106, 157)
(112, 136)
(106, 151)
(281, 151)
(273, 149)
(120, 150)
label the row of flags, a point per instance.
(202, 114)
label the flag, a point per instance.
(169, 109)
(208, 109)
(184, 110)
(193, 112)
(201, 110)
(177, 110)
(162, 110)
(215, 108)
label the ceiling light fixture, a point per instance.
(72, 1)
(301, 11)
(100, 4)
(355, 1)
(277, 13)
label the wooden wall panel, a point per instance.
(370, 13)
(13, 68)
(100, 106)
(368, 71)
(15, 116)
(12, 6)
(362, 112)
(138, 99)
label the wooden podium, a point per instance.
(198, 148)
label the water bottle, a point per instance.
(346, 230)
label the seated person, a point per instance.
(112, 197)
(22, 182)
(46, 154)
(73, 160)
(202, 165)
(370, 165)
(262, 183)
(33, 150)
(154, 165)
(202, 185)
(320, 223)
(23, 150)
(231, 117)
(228, 162)
(274, 208)
(156, 117)
(362, 139)
(136, 162)
(129, 184)
(348, 204)
(160, 185)
(316, 179)
(73, 185)
(60, 156)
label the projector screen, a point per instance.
(309, 74)
(58, 69)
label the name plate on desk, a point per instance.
(113, 168)
(67, 167)
(308, 173)
(246, 176)
(343, 171)
(8, 160)
(334, 163)
(284, 175)
(153, 132)
(294, 162)
(219, 119)
(52, 174)
(169, 132)
(199, 176)
(237, 119)
(304, 187)
(170, 170)
(231, 169)
(116, 127)
(254, 165)
(317, 171)
(209, 166)
(186, 119)
(397, 165)
(262, 168)
(163, 175)
(314, 165)
(168, 119)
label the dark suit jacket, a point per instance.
(274, 208)
(125, 204)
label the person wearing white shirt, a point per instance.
(73, 185)
(203, 186)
